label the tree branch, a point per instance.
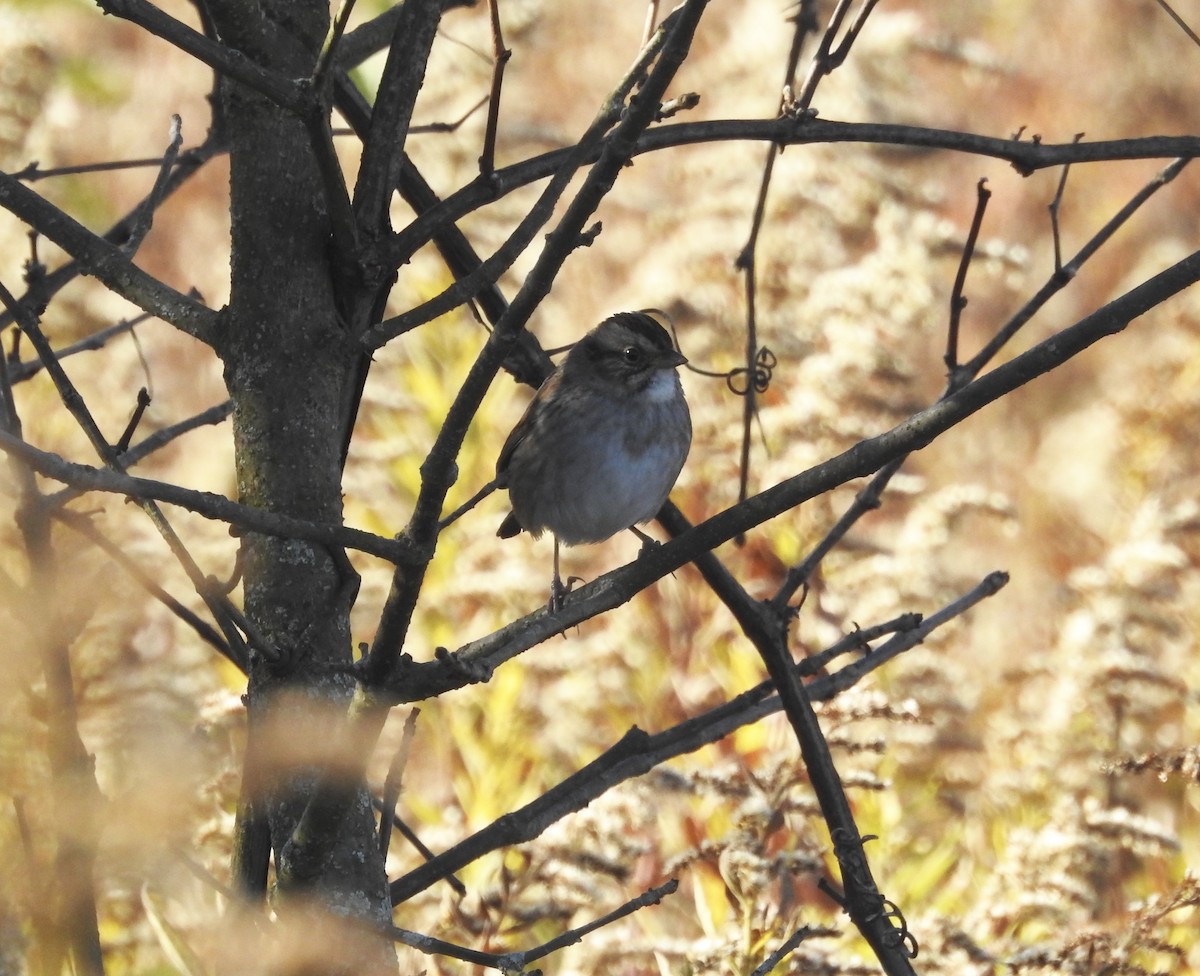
(208, 504)
(861, 460)
(637, 752)
(221, 58)
(106, 261)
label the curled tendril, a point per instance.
(903, 938)
(849, 852)
(741, 379)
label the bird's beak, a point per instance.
(672, 359)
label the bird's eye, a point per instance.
(632, 355)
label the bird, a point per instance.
(602, 442)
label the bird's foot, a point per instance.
(649, 543)
(559, 591)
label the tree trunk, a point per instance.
(287, 360)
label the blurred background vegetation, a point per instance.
(1031, 772)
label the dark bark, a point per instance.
(287, 359)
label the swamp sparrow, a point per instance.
(603, 440)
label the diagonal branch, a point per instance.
(863, 459)
(637, 752)
(220, 57)
(107, 261)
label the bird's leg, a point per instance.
(557, 590)
(648, 542)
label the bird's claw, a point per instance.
(559, 591)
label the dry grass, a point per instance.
(1030, 772)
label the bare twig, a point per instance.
(161, 438)
(20, 372)
(83, 525)
(802, 934)
(466, 506)
(500, 58)
(867, 500)
(651, 20)
(391, 784)
(337, 27)
(747, 262)
(420, 847)
(143, 401)
(33, 172)
(827, 58)
(1027, 157)
(518, 961)
(144, 215)
(1055, 206)
(220, 57)
(1180, 22)
(957, 300)
(1062, 276)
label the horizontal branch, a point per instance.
(1026, 156)
(210, 505)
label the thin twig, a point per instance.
(957, 300)
(1055, 206)
(802, 934)
(220, 57)
(32, 173)
(144, 215)
(1063, 276)
(747, 263)
(500, 58)
(420, 847)
(823, 60)
(391, 783)
(161, 438)
(83, 525)
(520, 960)
(143, 401)
(337, 27)
(20, 372)
(1180, 22)
(466, 506)
(867, 500)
